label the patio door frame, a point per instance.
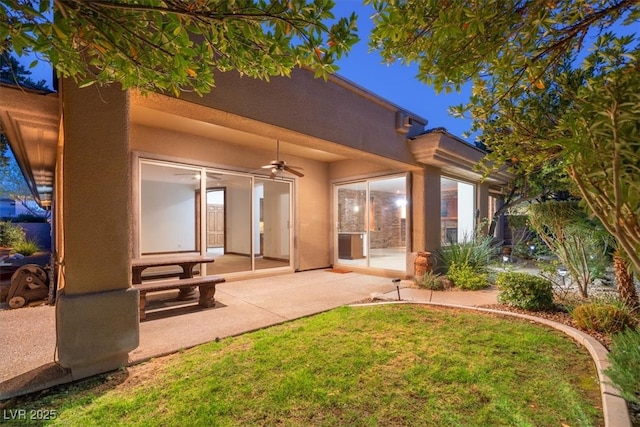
(370, 222)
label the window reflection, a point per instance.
(457, 211)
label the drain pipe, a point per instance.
(396, 281)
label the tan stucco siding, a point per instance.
(97, 190)
(324, 110)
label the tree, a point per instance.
(12, 71)
(175, 46)
(530, 94)
(14, 186)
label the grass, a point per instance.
(365, 366)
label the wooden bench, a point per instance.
(185, 282)
(206, 286)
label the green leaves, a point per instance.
(537, 110)
(171, 46)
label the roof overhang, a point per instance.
(31, 120)
(454, 156)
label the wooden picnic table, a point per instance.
(185, 282)
(186, 262)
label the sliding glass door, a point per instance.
(272, 220)
(241, 220)
(228, 222)
(372, 223)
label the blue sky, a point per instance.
(396, 83)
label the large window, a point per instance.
(457, 211)
(168, 208)
(372, 223)
(243, 221)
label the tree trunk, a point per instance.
(624, 281)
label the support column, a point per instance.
(482, 204)
(97, 314)
(432, 208)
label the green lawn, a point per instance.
(381, 365)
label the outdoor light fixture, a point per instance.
(395, 282)
(532, 249)
(562, 272)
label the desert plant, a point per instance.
(475, 252)
(521, 234)
(464, 276)
(11, 234)
(26, 247)
(604, 317)
(431, 280)
(624, 370)
(524, 291)
(580, 243)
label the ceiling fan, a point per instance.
(280, 166)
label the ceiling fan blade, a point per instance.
(293, 171)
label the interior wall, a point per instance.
(168, 217)
(238, 220)
(466, 211)
(276, 217)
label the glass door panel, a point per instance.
(458, 210)
(388, 223)
(227, 235)
(272, 222)
(352, 223)
(168, 216)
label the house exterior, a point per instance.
(130, 175)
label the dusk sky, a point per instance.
(396, 83)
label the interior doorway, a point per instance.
(216, 220)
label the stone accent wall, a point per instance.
(386, 228)
(352, 221)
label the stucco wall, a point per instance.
(329, 110)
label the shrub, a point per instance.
(11, 234)
(465, 276)
(524, 291)
(432, 281)
(580, 243)
(624, 370)
(476, 253)
(26, 248)
(602, 317)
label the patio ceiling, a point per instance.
(257, 136)
(30, 120)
